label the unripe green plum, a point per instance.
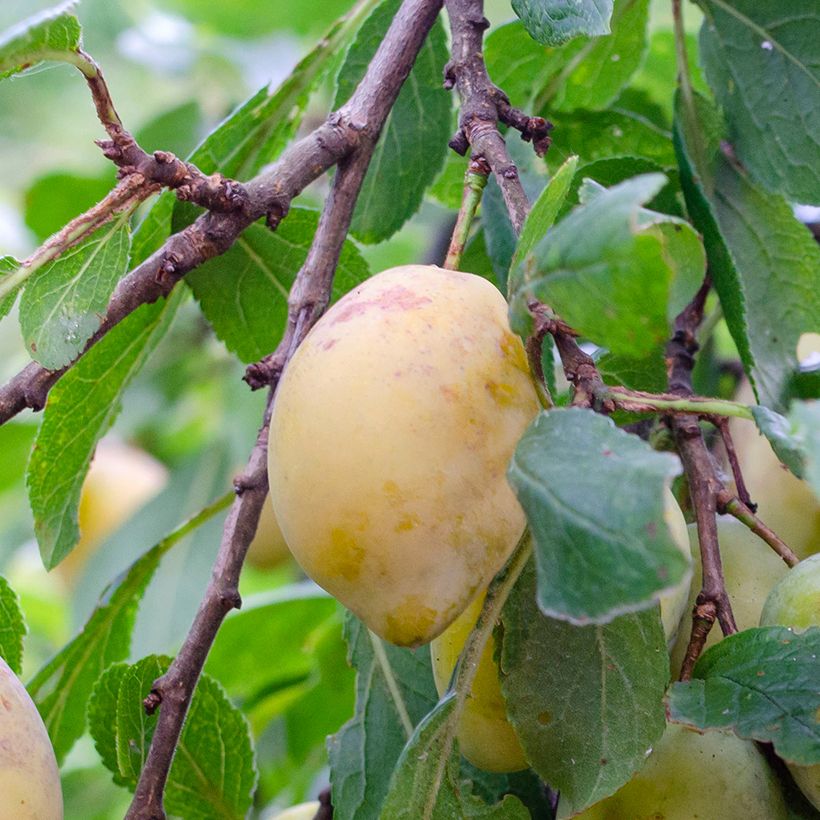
(750, 567)
(29, 780)
(485, 735)
(711, 776)
(673, 603)
(304, 811)
(795, 603)
(390, 438)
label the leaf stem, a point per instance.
(475, 179)
(698, 406)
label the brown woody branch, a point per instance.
(269, 194)
(309, 297)
(212, 192)
(704, 485)
(579, 367)
(732, 505)
(483, 106)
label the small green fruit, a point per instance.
(795, 603)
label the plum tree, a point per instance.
(389, 443)
(29, 780)
(729, 773)
(751, 569)
(795, 602)
(486, 737)
(120, 480)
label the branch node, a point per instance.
(152, 702)
(459, 143)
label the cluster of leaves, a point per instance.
(641, 191)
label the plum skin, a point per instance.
(390, 437)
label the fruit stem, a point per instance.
(475, 178)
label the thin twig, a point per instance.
(731, 454)
(483, 105)
(589, 389)
(702, 479)
(269, 194)
(309, 296)
(475, 180)
(728, 503)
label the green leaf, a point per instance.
(582, 74)
(776, 428)
(213, 773)
(542, 214)
(448, 189)
(284, 618)
(413, 143)
(763, 262)
(648, 373)
(55, 198)
(63, 302)
(762, 683)
(8, 264)
(394, 690)
(425, 783)
(12, 627)
(657, 76)
(250, 315)
(175, 129)
(553, 22)
(760, 58)
(62, 687)
(611, 171)
(804, 426)
(609, 262)
(795, 438)
(80, 409)
(102, 718)
(586, 702)
(594, 498)
(53, 34)
(596, 135)
(15, 444)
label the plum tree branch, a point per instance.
(309, 297)
(704, 485)
(359, 120)
(483, 106)
(215, 192)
